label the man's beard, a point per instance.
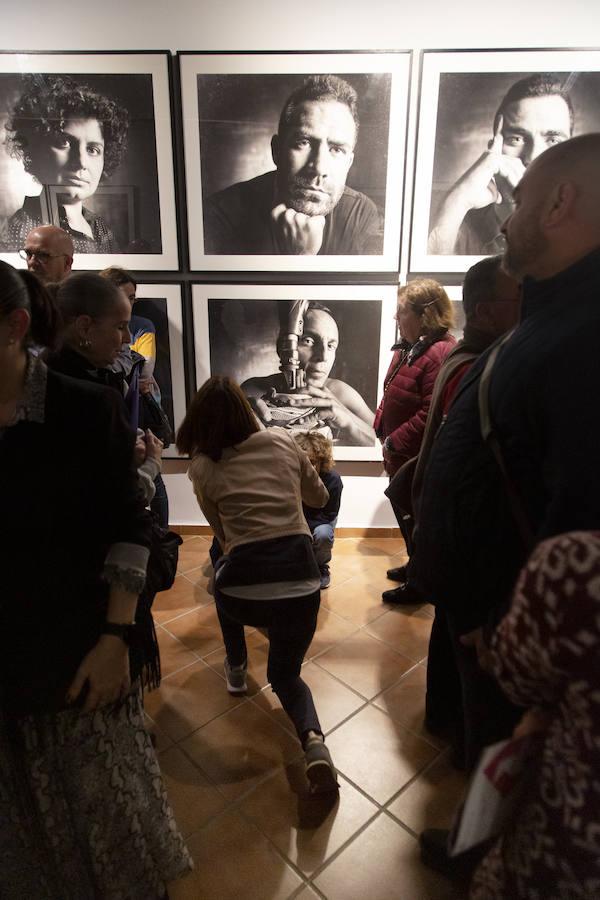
(523, 251)
(305, 198)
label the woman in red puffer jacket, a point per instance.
(424, 317)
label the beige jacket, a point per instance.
(255, 491)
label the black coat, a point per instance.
(544, 405)
(69, 491)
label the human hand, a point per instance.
(327, 405)
(153, 446)
(476, 640)
(297, 233)
(145, 385)
(139, 450)
(480, 185)
(260, 410)
(105, 670)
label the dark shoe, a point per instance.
(397, 574)
(325, 577)
(320, 770)
(403, 595)
(235, 676)
(434, 854)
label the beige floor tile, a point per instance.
(163, 741)
(306, 893)
(330, 629)
(364, 663)
(192, 554)
(258, 657)
(307, 829)
(234, 861)
(344, 567)
(389, 546)
(377, 753)
(240, 748)
(377, 565)
(345, 546)
(173, 654)
(198, 630)
(405, 702)
(357, 599)
(334, 702)
(189, 699)
(201, 576)
(183, 597)
(382, 864)
(432, 799)
(193, 799)
(406, 630)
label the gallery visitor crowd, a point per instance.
(491, 445)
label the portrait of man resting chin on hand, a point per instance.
(304, 206)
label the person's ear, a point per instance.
(560, 204)
(83, 324)
(350, 160)
(275, 149)
(18, 324)
(68, 265)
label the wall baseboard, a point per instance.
(339, 532)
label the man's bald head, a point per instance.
(49, 252)
(557, 213)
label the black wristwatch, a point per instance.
(125, 631)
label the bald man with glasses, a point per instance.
(48, 252)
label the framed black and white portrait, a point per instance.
(157, 333)
(295, 162)
(484, 116)
(307, 356)
(86, 144)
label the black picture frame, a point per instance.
(137, 83)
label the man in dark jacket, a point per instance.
(543, 406)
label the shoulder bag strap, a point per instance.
(490, 438)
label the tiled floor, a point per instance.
(233, 766)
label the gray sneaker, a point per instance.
(325, 577)
(320, 770)
(235, 677)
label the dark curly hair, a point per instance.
(48, 101)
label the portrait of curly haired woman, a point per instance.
(70, 138)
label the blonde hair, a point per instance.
(428, 300)
(317, 447)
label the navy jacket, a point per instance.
(544, 405)
(329, 512)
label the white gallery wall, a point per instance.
(232, 25)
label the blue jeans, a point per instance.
(323, 542)
(291, 623)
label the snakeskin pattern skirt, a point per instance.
(83, 811)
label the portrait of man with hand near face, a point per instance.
(304, 206)
(485, 116)
(535, 113)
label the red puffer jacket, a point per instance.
(406, 398)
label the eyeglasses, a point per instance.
(40, 255)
